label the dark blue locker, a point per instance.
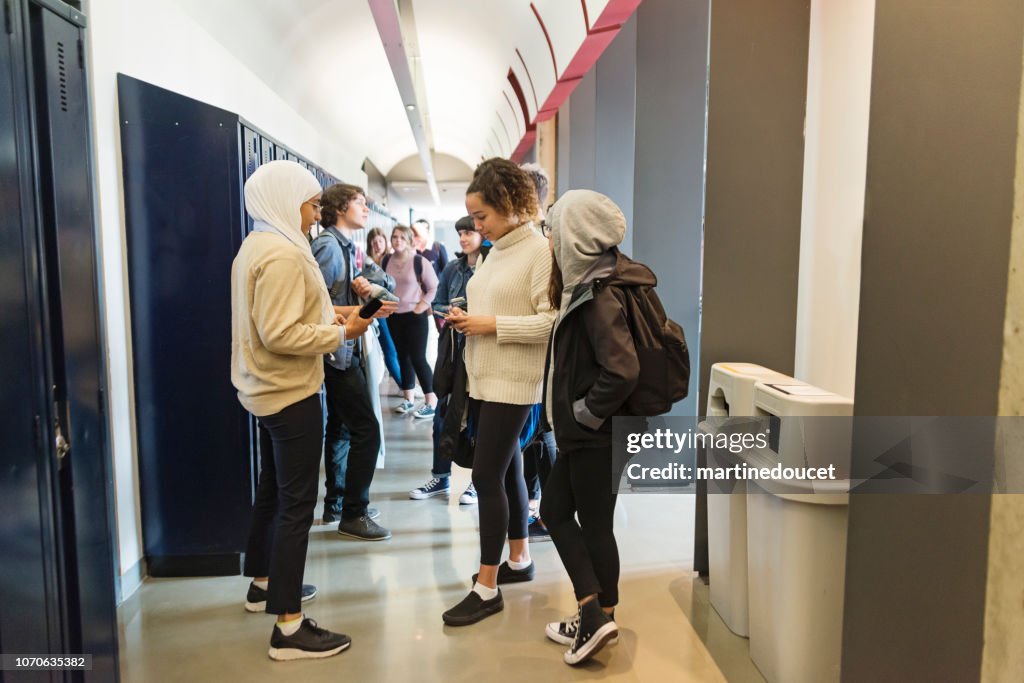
(250, 162)
(57, 580)
(182, 161)
(30, 618)
(250, 150)
(266, 150)
(79, 370)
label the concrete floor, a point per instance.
(389, 596)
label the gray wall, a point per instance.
(671, 97)
(615, 124)
(941, 165)
(597, 128)
(756, 104)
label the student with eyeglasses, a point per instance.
(282, 322)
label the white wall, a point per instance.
(154, 41)
(835, 163)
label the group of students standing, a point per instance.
(540, 311)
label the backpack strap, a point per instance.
(417, 267)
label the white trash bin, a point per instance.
(731, 393)
(796, 550)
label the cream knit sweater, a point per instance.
(512, 285)
(281, 324)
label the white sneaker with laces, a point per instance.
(404, 407)
(468, 496)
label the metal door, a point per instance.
(76, 349)
(30, 621)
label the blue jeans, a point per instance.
(387, 344)
(442, 465)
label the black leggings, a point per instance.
(580, 484)
(290, 445)
(409, 332)
(498, 477)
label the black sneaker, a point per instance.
(537, 531)
(309, 642)
(363, 528)
(564, 632)
(256, 598)
(508, 575)
(330, 517)
(472, 609)
(595, 630)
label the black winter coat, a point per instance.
(594, 367)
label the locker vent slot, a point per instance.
(62, 67)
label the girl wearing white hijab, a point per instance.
(282, 323)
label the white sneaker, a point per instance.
(468, 496)
(404, 407)
(438, 486)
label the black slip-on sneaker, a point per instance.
(472, 609)
(309, 642)
(508, 575)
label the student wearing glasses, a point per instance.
(282, 323)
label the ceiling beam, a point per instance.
(389, 25)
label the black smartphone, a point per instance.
(370, 307)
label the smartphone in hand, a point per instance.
(369, 308)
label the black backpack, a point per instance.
(662, 352)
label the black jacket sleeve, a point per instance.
(619, 369)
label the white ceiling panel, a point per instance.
(325, 58)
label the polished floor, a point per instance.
(388, 596)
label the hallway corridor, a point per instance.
(389, 596)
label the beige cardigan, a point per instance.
(512, 285)
(281, 324)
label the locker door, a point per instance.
(250, 162)
(29, 596)
(266, 150)
(76, 348)
(250, 150)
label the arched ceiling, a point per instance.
(490, 68)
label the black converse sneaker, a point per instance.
(472, 609)
(564, 632)
(595, 630)
(256, 598)
(309, 642)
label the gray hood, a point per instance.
(584, 226)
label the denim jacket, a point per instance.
(453, 281)
(327, 250)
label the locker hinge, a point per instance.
(81, 54)
(8, 19)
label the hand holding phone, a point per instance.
(369, 308)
